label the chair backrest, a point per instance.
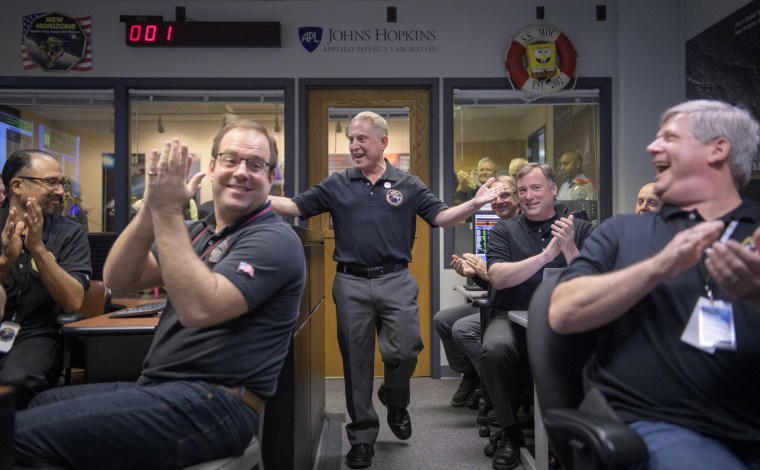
(556, 362)
(97, 300)
(100, 245)
(7, 410)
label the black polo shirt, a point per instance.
(374, 224)
(28, 300)
(517, 239)
(263, 257)
(642, 366)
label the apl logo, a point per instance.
(310, 37)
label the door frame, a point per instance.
(301, 177)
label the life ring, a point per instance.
(565, 51)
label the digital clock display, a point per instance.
(208, 34)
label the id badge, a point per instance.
(711, 326)
(716, 326)
(8, 332)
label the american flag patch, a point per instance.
(245, 268)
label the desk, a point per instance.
(114, 347)
(541, 461)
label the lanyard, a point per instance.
(730, 228)
(205, 229)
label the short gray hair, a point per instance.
(379, 124)
(545, 169)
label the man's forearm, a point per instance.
(510, 274)
(130, 266)
(588, 302)
(66, 290)
(284, 206)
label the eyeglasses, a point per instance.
(506, 195)
(254, 165)
(50, 182)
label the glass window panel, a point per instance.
(494, 130)
(74, 125)
(195, 116)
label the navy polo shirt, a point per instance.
(28, 299)
(263, 257)
(517, 239)
(374, 224)
(642, 366)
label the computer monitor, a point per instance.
(482, 224)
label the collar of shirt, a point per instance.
(391, 174)
(746, 212)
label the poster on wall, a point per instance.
(723, 62)
(56, 43)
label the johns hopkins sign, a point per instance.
(368, 41)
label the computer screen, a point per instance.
(483, 222)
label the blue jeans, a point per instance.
(123, 425)
(675, 447)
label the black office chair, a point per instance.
(585, 438)
(7, 413)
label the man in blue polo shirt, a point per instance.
(678, 352)
(234, 282)
(374, 207)
(45, 270)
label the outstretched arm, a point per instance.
(284, 206)
(485, 195)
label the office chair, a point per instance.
(250, 458)
(587, 438)
(7, 413)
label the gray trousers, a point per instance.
(386, 306)
(459, 329)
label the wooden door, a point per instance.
(320, 102)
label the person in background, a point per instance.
(459, 327)
(647, 200)
(234, 283)
(648, 283)
(518, 251)
(45, 270)
(467, 185)
(570, 167)
(374, 208)
(516, 165)
(72, 207)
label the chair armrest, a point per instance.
(65, 318)
(613, 443)
(483, 302)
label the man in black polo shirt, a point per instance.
(45, 270)
(678, 355)
(374, 206)
(518, 251)
(234, 282)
